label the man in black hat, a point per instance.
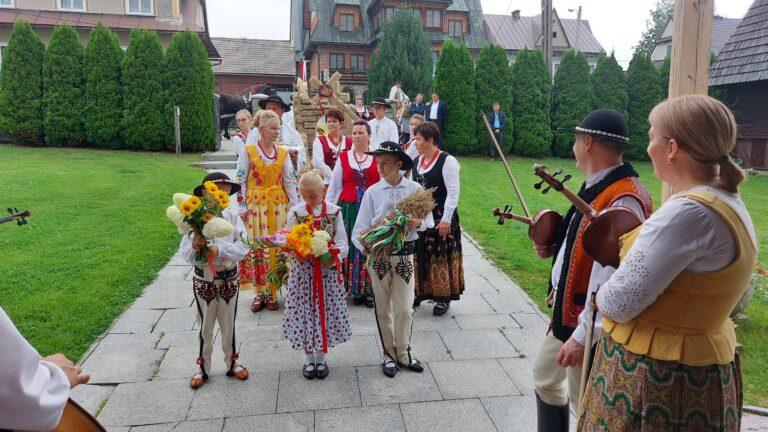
(216, 295)
(600, 141)
(288, 134)
(392, 279)
(382, 128)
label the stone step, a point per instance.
(216, 165)
(220, 156)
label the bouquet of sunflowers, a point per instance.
(302, 241)
(202, 216)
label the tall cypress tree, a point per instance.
(644, 93)
(455, 83)
(494, 85)
(404, 54)
(530, 105)
(103, 89)
(190, 85)
(664, 77)
(62, 88)
(610, 85)
(21, 86)
(145, 126)
(571, 100)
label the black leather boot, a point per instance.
(552, 418)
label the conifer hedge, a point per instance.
(494, 85)
(609, 85)
(21, 86)
(644, 92)
(530, 105)
(189, 83)
(63, 88)
(455, 83)
(572, 99)
(103, 89)
(145, 123)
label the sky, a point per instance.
(617, 24)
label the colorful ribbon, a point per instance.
(318, 298)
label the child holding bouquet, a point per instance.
(316, 316)
(215, 284)
(392, 270)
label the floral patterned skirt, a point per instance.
(627, 392)
(301, 320)
(261, 219)
(438, 265)
(356, 278)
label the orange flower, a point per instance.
(207, 217)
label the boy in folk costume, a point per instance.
(600, 141)
(392, 278)
(216, 296)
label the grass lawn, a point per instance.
(97, 235)
(485, 185)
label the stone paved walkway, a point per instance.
(477, 367)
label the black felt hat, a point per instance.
(604, 123)
(392, 148)
(274, 98)
(381, 101)
(217, 177)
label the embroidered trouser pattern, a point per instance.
(393, 291)
(216, 301)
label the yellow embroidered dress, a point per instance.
(269, 189)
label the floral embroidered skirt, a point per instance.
(356, 278)
(261, 219)
(627, 392)
(302, 326)
(438, 265)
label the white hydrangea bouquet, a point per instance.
(202, 216)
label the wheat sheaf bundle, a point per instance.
(388, 236)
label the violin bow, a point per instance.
(506, 166)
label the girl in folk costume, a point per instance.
(244, 119)
(269, 190)
(668, 346)
(326, 148)
(353, 174)
(438, 265)
(409, 146)
(316, 316)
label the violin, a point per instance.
(15, 215)
(601, 238)
(542, 227)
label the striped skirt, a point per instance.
(627, 392)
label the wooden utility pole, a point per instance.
(578, 30)
(689, 60)
(177, 128)
(546, 32)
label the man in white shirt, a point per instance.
(437, 112)
(599, 146)
(382, 128)
(33, 390)
(392, 278)
(288, 134)
(396, 92)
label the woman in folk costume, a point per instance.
(269, 190)
(316, 315)
(244, 119)
(353, 174)
(667, 359)
(438, 265)
(327, 148)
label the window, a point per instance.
(669, 49)
(139, 7)
(6, 3)
(72, 5)
(554, 35)
(337, 61)
(346, 22)
(357, 62)
(417, 13)
(390, 12)
(455, 28)
(3, 46)
(433, 19)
